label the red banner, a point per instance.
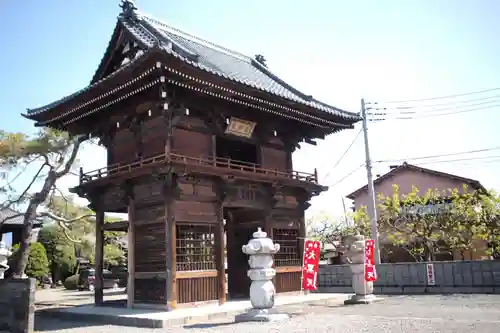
(311, 265)
(370, 272)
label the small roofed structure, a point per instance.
(12, 221)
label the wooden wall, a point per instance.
(150, 243)
(274, 159)
(191, 143)
(122, 148)
(191, 137)
(153, 137)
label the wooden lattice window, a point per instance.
(195, 246)
(289, 253)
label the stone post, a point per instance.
(262, 292)
(363, 290)
(4, 255)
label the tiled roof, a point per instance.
(215, 59)
(17, 220)
(227, 63)
(475, 184)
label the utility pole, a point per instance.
(372, 204)
(346, 219)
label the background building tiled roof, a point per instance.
(16, 220)
(475, 184)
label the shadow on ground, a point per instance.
(208, 325)
(228, 323)
(46, 324)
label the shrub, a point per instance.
(71, 283)
(38, 264)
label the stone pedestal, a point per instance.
(4, 255)
(262, 292)
(17, 305)
(355, 254)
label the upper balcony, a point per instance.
(203, 165)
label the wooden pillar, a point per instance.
(169, 191)
(17, 235)
(170, 242)
(220, 256)
(230, 257)
(214, 148)
(99, 254)
(301, 208)
(270, 204)
(131, 254)
(136, 128)
(167, 111)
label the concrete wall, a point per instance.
(17, 305)
(399, 278)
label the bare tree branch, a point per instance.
(60, 193)
(9, 183)
(69, 163)
(23, 194)
(62, 219)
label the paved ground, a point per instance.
(412, 314)
(61, 296)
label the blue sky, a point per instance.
(338, 51)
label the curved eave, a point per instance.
(98, 74)
(152, 38)
(39, 115)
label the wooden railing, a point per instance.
(220, 163)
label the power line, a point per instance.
(346, 176)
(343, 155)
(406, 107)
(432, 115)
(495, 159)
(419, 110)
(477, 159)
(443, 97)
(439, 155)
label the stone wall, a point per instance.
(17, 305)
(399, 278)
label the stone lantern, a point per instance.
(261, 250)
(355, 253)
(4, 255)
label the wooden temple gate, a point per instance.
(190, 146)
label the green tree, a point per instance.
(60, 251)
(37, 265)
(432, 222)
(480, 213)
(113, 255)
(53, 154)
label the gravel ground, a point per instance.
(412, 314)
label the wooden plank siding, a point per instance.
(274, 159)
(191, 143)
